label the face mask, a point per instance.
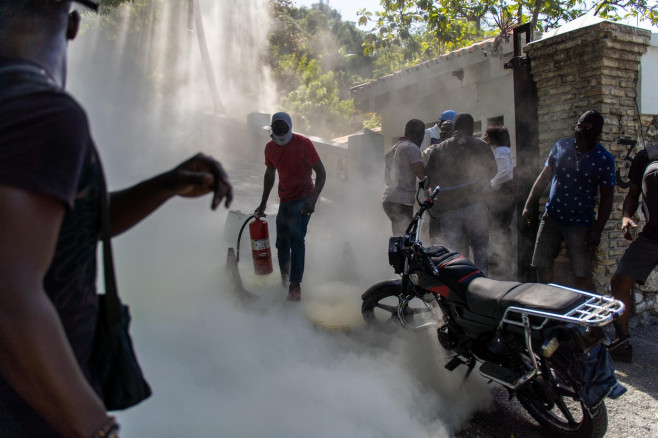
(585, 136)
(281, 132)
(282, 140)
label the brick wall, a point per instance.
(595, 67)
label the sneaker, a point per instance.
(294, 292)
(622, 352)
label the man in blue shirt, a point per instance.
(577, 168)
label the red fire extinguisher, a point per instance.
(260, 246)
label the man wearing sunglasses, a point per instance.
(51, 186)
(294, 157)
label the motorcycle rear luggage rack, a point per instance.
(596, 311)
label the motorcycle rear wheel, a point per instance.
(556, 406)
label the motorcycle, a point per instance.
(543, 343)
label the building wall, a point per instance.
(595, 67)
(648, 85)
(471, 80)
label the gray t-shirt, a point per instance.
(400, 175)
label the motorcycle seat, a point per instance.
(484, 295)
(543, 297)
(491, 298)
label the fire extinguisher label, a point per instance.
(259, 245)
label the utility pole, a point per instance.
(205, 57)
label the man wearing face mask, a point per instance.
(579, 168)
(294, 158)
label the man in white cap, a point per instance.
(294, 158)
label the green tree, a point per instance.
(315, 58)
(427, 28)
(316, 101)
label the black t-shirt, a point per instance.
(463, 167)
(635, 174)
(45, 147)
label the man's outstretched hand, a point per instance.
(198, 176)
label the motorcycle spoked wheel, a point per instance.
(556, 406)
(381, 306)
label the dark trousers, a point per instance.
(291, 226)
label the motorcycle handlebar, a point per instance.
(435, 192)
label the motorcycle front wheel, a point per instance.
(380, 306)
(552, 401)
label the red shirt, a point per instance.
(294, 164)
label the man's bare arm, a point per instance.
(268, 183)
(419, 170)
(197, 176)
(35, 356)
(606, 195)
(538, 188)
(320, 179)
(631, 203)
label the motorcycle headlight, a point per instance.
(395, 257)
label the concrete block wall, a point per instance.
(595, 67)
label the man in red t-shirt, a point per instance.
(294, 157)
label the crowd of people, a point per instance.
(473, 213)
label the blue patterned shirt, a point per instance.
(576, 179)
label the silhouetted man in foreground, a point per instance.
(51, 186)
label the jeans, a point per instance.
(291, 227)
(468, 226)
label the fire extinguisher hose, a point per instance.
(237, 255)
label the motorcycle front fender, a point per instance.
(378, 287)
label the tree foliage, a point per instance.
(315, 58)
(424, 29)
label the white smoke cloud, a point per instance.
(219, 368)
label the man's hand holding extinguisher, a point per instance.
(268, 183)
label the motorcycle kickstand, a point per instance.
(470, 364)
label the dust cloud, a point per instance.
(218, 367)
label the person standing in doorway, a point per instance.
(577, 168)
(294, 158)
(500, 202)
(404, 163)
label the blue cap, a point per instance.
(448, 115)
